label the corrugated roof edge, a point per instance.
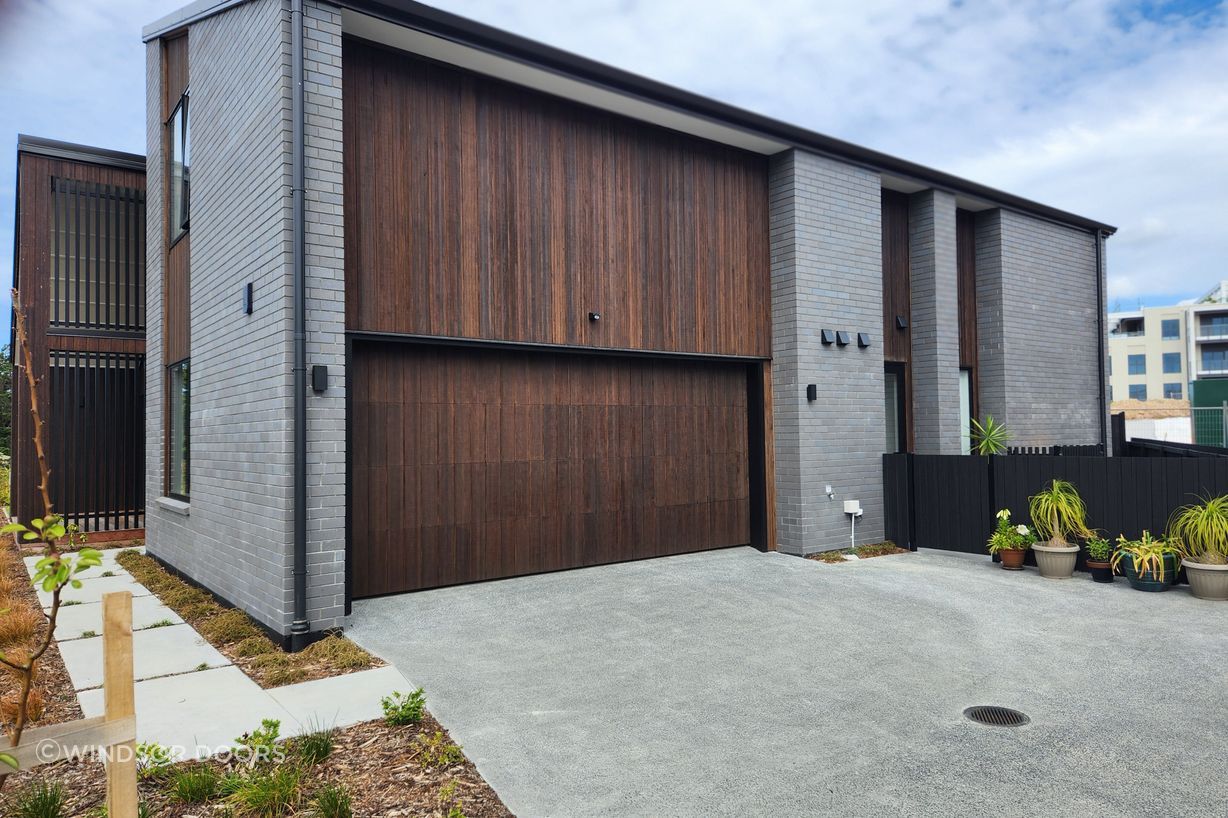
(488, 38)
(79, 153)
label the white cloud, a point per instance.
(1089, 105)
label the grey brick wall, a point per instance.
(236, 539)
(1037, 328)
(935, 322)
(826, 274)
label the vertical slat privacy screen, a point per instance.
(98, 256)
(98, 440)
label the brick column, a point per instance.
(935, 322)
(826, 274)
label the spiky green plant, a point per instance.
(1146, 554)
(1200, 531)
(990, 436)
(1058, 512)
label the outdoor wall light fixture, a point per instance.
(594, 316)
(812, 392)
(863, 339)
(842, 338)
(901, 322)
(828, 336)
(319, 378)
(248, 298)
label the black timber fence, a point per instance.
(950, 501)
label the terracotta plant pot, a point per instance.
(1056, 561)
(1012, 560)
(1207, 581)
(1100, 571)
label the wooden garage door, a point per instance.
(472, 464)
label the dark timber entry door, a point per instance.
(472, 464)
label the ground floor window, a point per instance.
(1172, 391)
(178, 436)
(965, 411)
(1138, 391)
(893, 404)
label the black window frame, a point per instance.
(172, 487)
(177, 224)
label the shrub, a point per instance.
(1008, 537)
(1146, 554)
(152, 759)
(41, 799)
(401, 709)
(229, 627)
(1058, 512)
(20, 625)
(277, 669)
(333, 801)
(270, 794)
(1098, 549)
(338, 652)
(315, 746)
(437, 751)
(260, 744)
(1200, 530)
(195, 785)
(254, 646)
(989, 436)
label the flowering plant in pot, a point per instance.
(1057, 513)
(1200, 533)
(1010, 542)
(1150, 564)
(1099, 559)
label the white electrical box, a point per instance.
(852, 507)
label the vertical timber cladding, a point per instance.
(897, 296)
(481, 210)
(965, 250)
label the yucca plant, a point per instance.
(1200, 531)
(1146, 554)
(1058, 512)
(989, 437)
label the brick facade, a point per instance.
(236, 535)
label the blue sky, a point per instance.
(1114, 110)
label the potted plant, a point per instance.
(1057, 513)
(1149, 564)
(989, 437)
(1010, 542)
(1200, 532)
(1099, 559)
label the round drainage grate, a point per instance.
(995, 716)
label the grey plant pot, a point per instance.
(1207, 581)
(1056, 562)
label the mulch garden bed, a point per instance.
(381, 767)
(239, 638)
(864, 552)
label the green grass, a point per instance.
(401, 709)
(195, 785)
(333, 801)
(315, 746)
(161, 623)
(271, 794)
(88, 634)
(40, 799)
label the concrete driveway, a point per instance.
(740, 683)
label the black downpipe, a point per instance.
(1100, 308)
(299, 627)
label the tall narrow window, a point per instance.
(180, 172)
(893, 405)
(179, 437)
(965, 411)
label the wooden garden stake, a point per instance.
(119, 700)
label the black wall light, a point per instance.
(828, 336)
(863, 339)
(842, 338)
(812, 392)
(248, 298)
(319, 378)
(901, 322)
(594, 316)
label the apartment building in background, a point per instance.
(1155, 353)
